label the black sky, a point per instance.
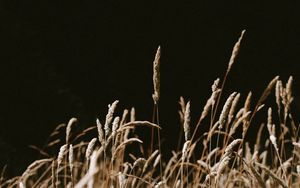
(61, 59)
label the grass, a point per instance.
(221, 157)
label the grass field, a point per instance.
(222, 157)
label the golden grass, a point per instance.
(220, 157)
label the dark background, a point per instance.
(63, 59)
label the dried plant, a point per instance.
(203, 159)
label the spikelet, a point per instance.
(278, 92)
(233, 107)
(60, 156)
(132, 114)
(68, 129)
(229, 148)
(215, 85)
(211, 101)
(124, 116)
(268, 90)
(209, 104)
(156, 76)
(71, 158)
(223, 163)
(235, 51)
(100, 132)
(215, 91)
(225, 110)
(187, 120)
(182, 109)
(269, 124)
(115, 125)
(109, 117)
(185, 150)
(90, 148)
(289, 89)
(247, 102)
(271, 129)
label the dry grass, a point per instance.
(223, 157)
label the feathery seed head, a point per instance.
(225, 110)
(187, 121)
(60, 156)
(156, 76)
(71, 122)
(90, 148)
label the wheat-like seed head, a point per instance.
(100, 132)
(278, 92)
(235, 51)
(289, 88)
(124, 116)
(132, 114)
(233, 107)
(268, 90)
(156, 76)
(223, 163)
(90, 148)
(68, 129)
(229, 148)
(225, 110)
(185, 149)
(61, 153)
(247, 104)
(269, 124)
(115, 125)
(109, 117)
(187, 121)
(71, 157)
(209, 103)
(215, 85)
